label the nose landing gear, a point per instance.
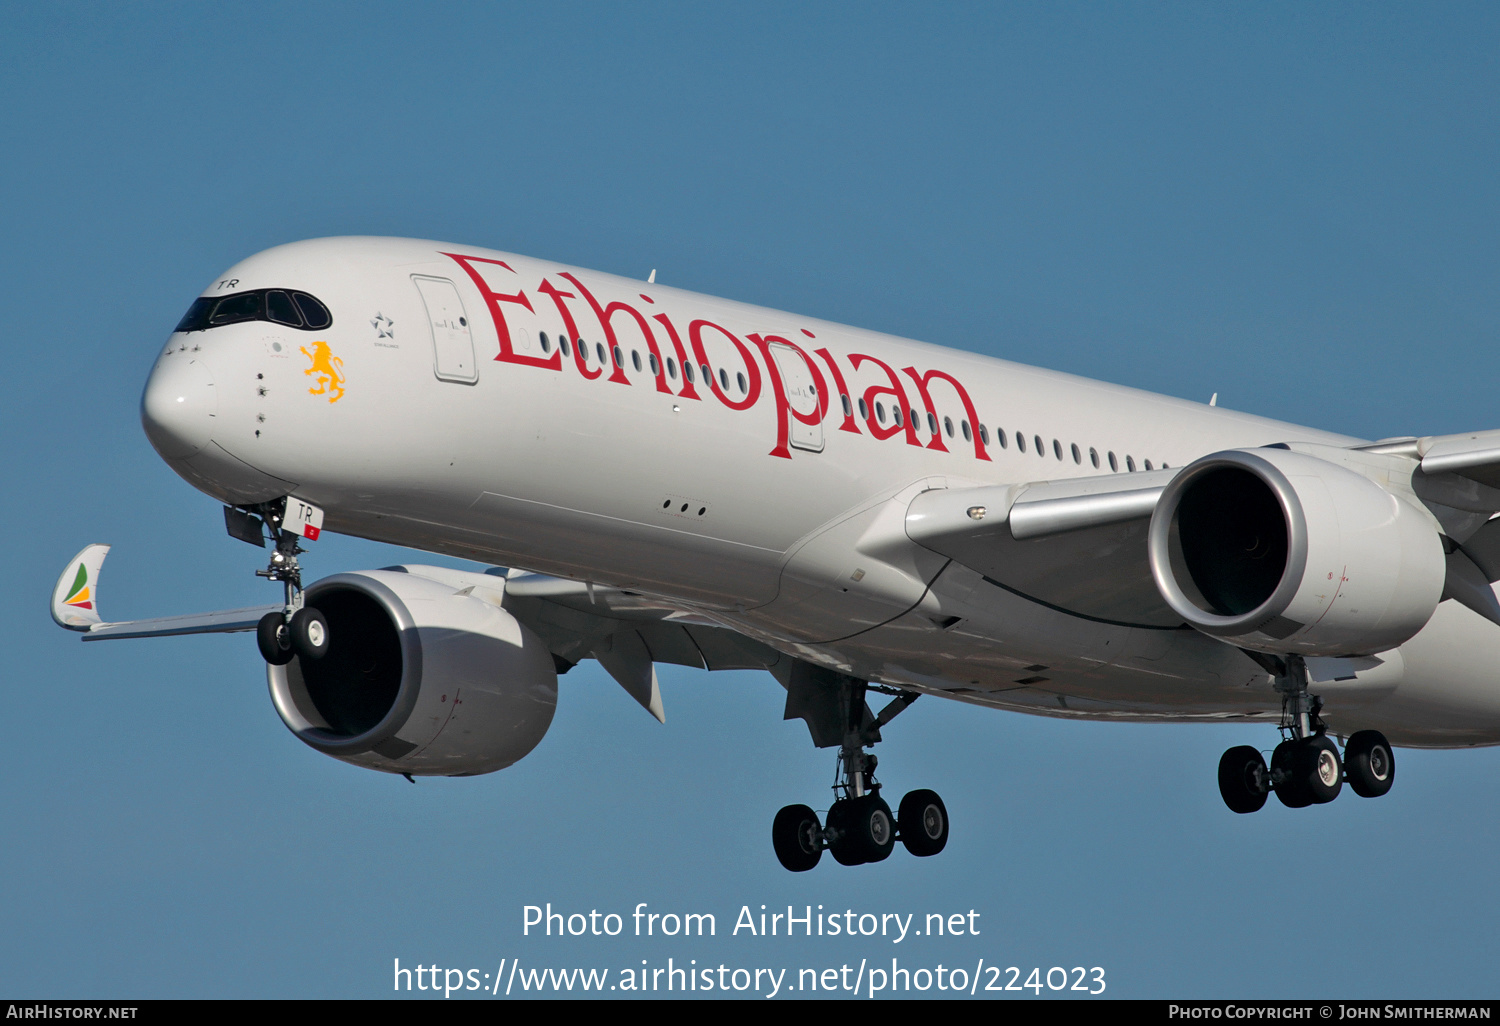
(1305, 768)
(298, 629)
(859, 826)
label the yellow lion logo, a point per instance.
(327, 370)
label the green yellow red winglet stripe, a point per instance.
(75, 598)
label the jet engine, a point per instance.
(1282, 552)
(419, 678)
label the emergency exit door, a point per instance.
(802, 395)
(452, 339)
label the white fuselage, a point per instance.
(433, 414)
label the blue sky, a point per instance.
(1294, 206)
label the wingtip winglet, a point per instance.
(75, 597)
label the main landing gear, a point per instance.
(860, 826)
(297, 629)
(1305, 768)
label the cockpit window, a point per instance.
(196, 319)
(245, 306)
(280, 306)
(314, 312)
(280, 309)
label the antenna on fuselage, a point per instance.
(651, 278)
(1214, 399)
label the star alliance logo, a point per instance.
(384, 326)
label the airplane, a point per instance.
(658, 476)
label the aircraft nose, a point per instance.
(179, 406)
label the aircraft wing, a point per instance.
(1077, 545)
(75, 605)
(1473, 454)
(628, 633)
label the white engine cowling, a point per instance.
(1282, 552)
(418, 678)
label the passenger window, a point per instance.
(1077, 456)
(1020, 442)
(599, 349)
(1094, 457)
(968, 437)
(545, 341)
(740, 379)
(896, 415)
(723, 379)
(931, 424)
(1057, 449)
(232, 309)
(845, 400)
(1130, 464)
(880, 412)
(313, 312)
(984, 435)
(655, 367)
(281, 310)
(635, 358)
(562, 343)
(948, 426)
(671, 368)
(687, 372)
(1000, 437)
(1113, 463)
(1041, 448)
(620, 358)
(864, 411)
(1148, 464)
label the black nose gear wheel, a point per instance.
(274, 639)
(1369, 764)
(309, 631)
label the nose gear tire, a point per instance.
(309, 633)
(274, 639)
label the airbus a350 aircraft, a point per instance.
(674, 478)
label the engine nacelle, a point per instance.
(1282, 552)
(419, 678)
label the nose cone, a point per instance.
(179, 406)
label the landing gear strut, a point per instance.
(298, 629)
(859, 826)
(1305, 767)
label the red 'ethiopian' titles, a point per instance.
(751, 376)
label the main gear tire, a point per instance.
(797, 837)
(923, 821)
(1244, 782)
(844, 843)
(1369, 764)
(1307, 771)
